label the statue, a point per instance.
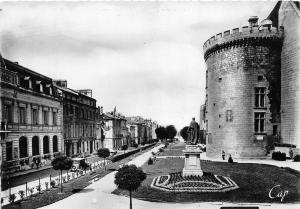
(193, 132)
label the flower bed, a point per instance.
(206, 183)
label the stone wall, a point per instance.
(234, 65)
(290, 70)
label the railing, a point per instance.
(8, 76)
(31, 127)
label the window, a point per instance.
(76, 111)
(35, 116)
(55, 144)
(71, 110)
(229, 115)
(260, 97)
(8, 151)
(54, 118)
(260, 78)
(45, 117)
(7, 113)
(259, 123)
(22, 115)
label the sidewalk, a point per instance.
(267, 160)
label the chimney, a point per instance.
(253, 21)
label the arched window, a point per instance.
(35, 146)
(23, 147)
(55, 144)
(46, 144)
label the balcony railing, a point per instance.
(8, 76)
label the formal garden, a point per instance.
(251, 182)
(59, 188)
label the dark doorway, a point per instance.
(23, 147)
(46, 145)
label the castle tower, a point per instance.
(243, 70)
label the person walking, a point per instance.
(223, 154)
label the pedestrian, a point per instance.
(223, 154)
(230, 160)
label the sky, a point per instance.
(144, 58)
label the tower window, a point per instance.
(229, 115)
(220, 79)
(259, 123)
(260, 94)
(260, 78)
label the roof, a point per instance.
(274, 14)
(109, 116)
(13, 66)
(67, 90)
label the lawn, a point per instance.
(254, 180)
(173, 150)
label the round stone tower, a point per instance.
(243, 70)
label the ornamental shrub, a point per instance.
(22, 194)
(52, 183)
(150, 161)
(12, 198)
(297, 158)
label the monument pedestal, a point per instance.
(192, 165)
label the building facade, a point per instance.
(31, 118)
(116, 131)
(79, 120)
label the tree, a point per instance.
(124, 147)
(83, 165)
(104, 153)
(129, 177)
(161, 132)
(62, 163)
(184, 133)
(171, 131)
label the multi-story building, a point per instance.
(79, 120)
(31, 118)
(100, 129)
(116, 131)
(154, 127)
(252, 84)
(141, 130)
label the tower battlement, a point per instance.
(247, 35)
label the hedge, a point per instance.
(284, 145)
(279, 156)
(297, 158)
(127, 154)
